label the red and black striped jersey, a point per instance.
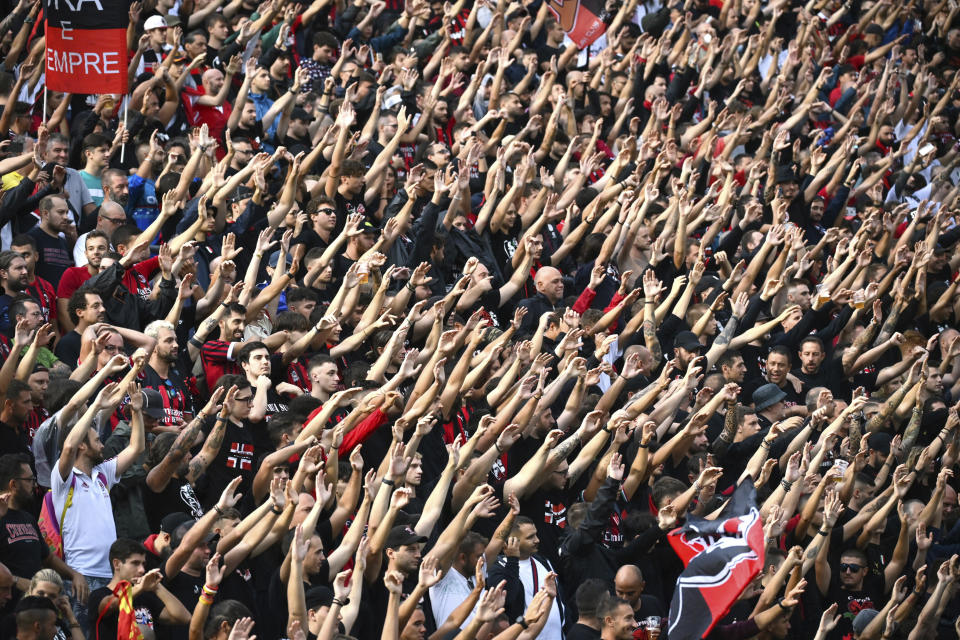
(216, 356)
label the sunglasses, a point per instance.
(852, 568)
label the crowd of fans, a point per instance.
(400, 320)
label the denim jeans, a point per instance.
(80, 610)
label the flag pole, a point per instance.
(123, 145)
(43, 120)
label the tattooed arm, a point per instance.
(725, 439)
(851, 355)
(650, 330)
(887, 408)
(160, 475)
(890, 324)
(722, 342)
(210, 449)
(913, 427)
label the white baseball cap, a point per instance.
(155, 22)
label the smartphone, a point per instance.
(926, 149)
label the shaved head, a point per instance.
(549, 282)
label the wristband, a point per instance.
(644, 445)
(207, 600)
(411, 287)
(217, 508)
(786, 485)
(824, 533)
(276, 510)
(780, 604)
(210, 591)
(341, 603)
(224, 305)
(221, 418)
(389, 483)
(497, 445)
(193, 340)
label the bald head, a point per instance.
(212, 80)
(549, 282)
(6, 585)
(629, 584)
(112, 208)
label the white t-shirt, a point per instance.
(532, 574)
(88, 528)
(449, 593)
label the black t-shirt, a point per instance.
(850, 603)
(830, 375)
(54, 256)
(147, 607)
(22, 548)
(187, 590)
(548, 510)
(582, 632)
(347, 207)
(242, 445)
(177, 497)
(68, 349)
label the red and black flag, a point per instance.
(87, 45)
(721, 556)
(583, 20)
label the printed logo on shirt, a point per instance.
(21, 533)
(190, 499)
(241, 456)
(144, 617)
(555, 514)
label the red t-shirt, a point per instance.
(72, 278)
(217, 360)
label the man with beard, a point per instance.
(254, 359)
(39, 382)
(115, 188)
(80, 483)
(55, 255)
(14, 278)
(84, 308)
(41, 290)
(219, 357)
(22, 548)
(161, 373)
(13, 416)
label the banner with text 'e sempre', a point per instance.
(86, 45)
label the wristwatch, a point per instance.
(523, 623)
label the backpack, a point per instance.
(50, 527)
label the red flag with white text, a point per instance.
(86, 45)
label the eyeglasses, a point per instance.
(113, 220)
(248, 399)
(329, 212)
(30, 479)
(852, 568)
